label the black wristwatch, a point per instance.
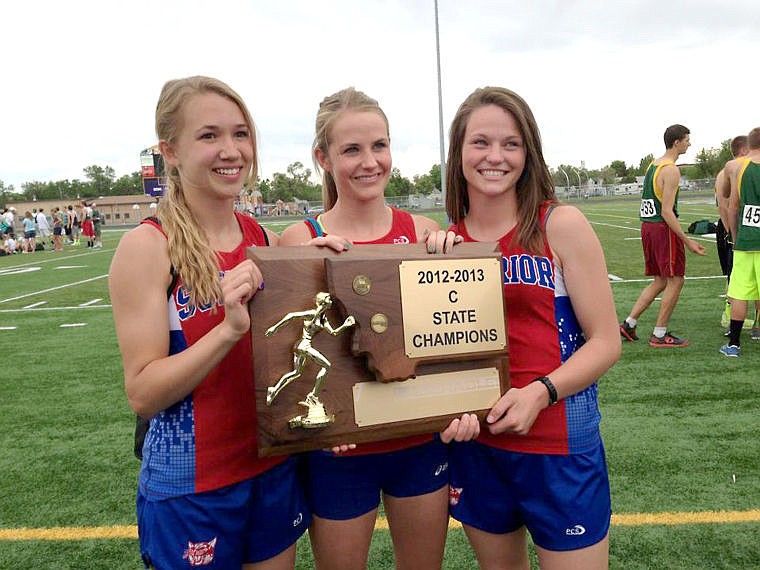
(550, 387)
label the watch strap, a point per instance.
(550, 388)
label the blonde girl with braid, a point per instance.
(203, 495)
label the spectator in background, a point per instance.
(97, 223)
(57, 229)
(75, 221)
(30, 232)
(88, 230)
(9, 243)
(43, 227)
(10, 218)
(257, 201)
(68, 224)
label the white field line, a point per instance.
(7, 328)
(75, 308)
(33, 305)
(648, 279)
(57, 259)
(67, 325)
(53, 289)
(639, 230)
(90, 302)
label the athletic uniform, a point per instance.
(88, 229)
(347, 486)
(203, 492)
(58, 224)
(554, 479)
(664, 253)
(745, 274)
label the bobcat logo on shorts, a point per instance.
(454, 494)
(200, 553)
(402, 240)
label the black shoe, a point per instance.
(628, 332)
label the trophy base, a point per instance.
(316, 418)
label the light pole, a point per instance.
(579, 181)
(440, 108)
(567, 188)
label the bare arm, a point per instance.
(579, 253)
(154, 380)
(349, 322)
(274, 239)
(422, 223)
(669, 179)
(722, 194)
(732, 213)
(286, 319)
(299, 234)
(436, 239)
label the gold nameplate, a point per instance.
(426, 396)
(452, 306)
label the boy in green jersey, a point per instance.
(663, 241)
(744, 224)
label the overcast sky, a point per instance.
(604, 78)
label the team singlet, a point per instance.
(650, 209)
(207, 440)
(748, 227)
(543, 332)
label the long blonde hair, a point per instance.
(535, 184)
(190, 252)
(329, 110)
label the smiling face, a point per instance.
(358, 155)
(493, 153)
(213, 150)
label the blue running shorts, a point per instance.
(341, 488)
(563, 500)
(246, 522)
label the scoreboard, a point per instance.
(152, 171)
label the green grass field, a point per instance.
(680, 426)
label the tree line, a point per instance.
(296, 181)
(708, 162)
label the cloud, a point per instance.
(603, 78)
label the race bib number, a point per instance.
(751, 216)
(647, 208)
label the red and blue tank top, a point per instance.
(208, 440)
(543, 332)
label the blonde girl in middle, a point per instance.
(352, 148)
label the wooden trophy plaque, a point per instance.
(401, 341)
